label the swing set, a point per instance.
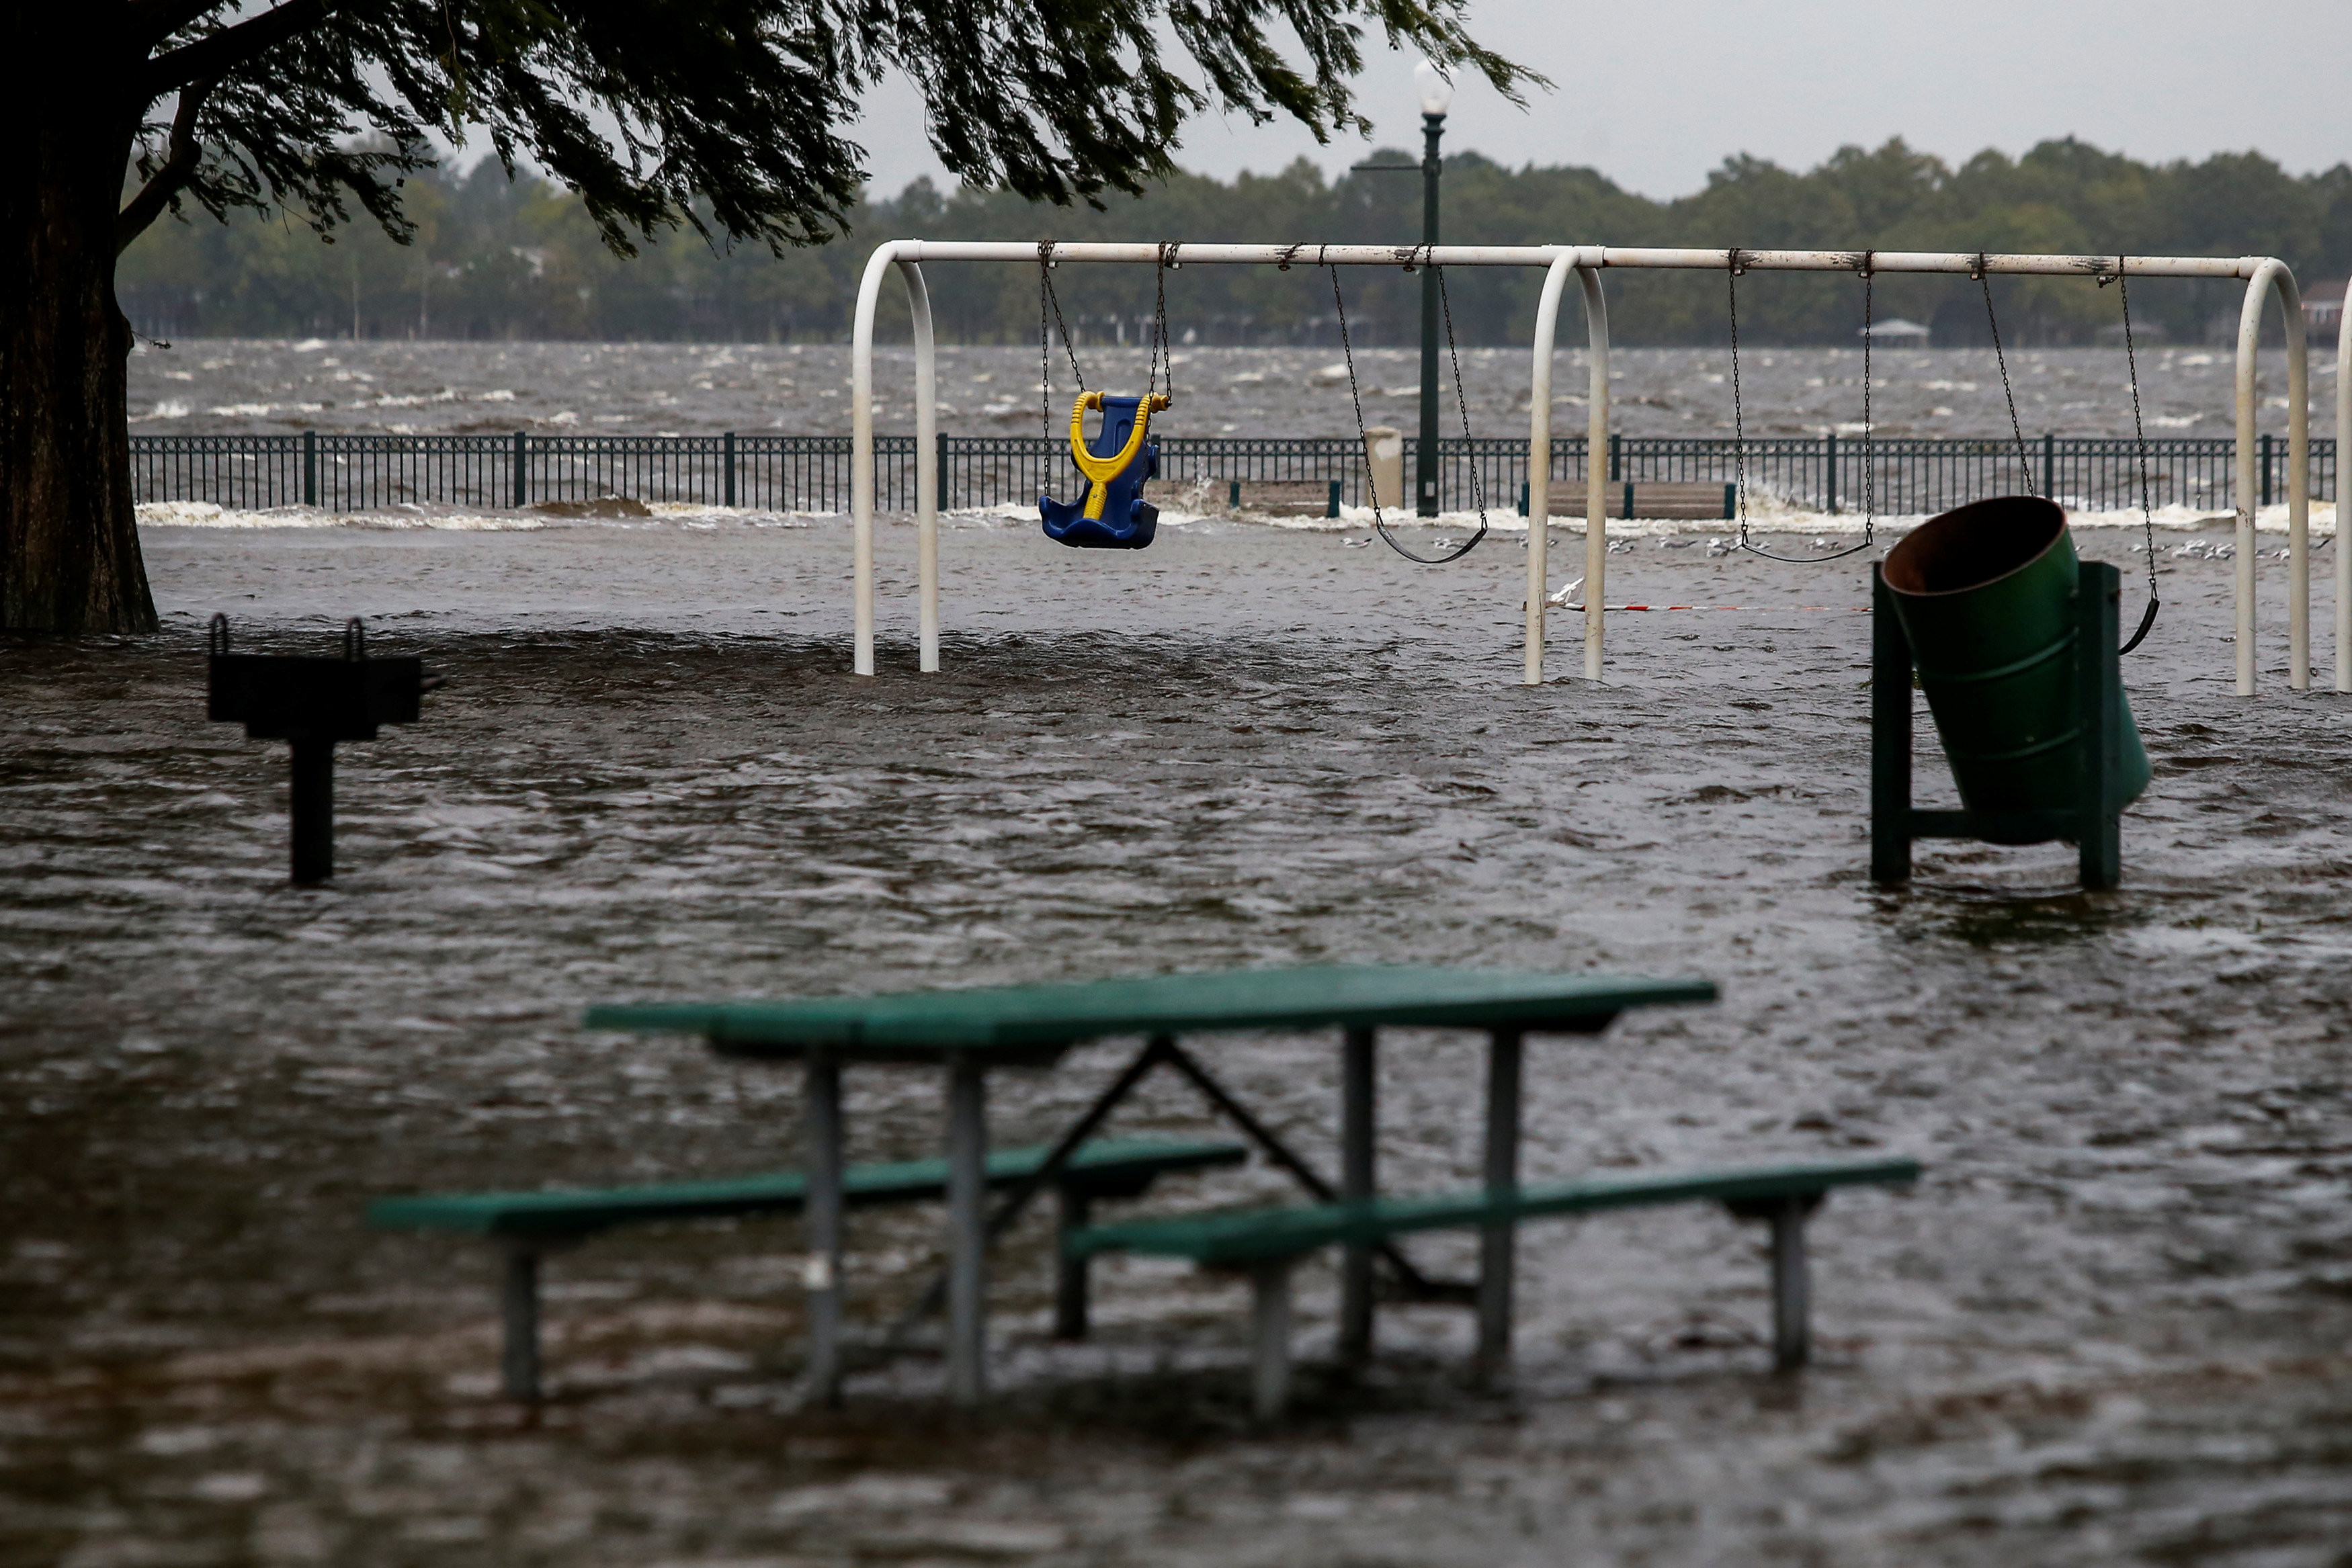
(1121, 457)
(1870, 430)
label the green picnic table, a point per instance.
(970, 1032)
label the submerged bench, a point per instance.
(1284, 497)
(1267, 1242)
(529, 1224)
(1665, 499)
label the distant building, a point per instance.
(2143, 332)
(2323, 310)
(1896, 330)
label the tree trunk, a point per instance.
(68, 538)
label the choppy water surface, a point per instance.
(2110, 1327)
(219, 384)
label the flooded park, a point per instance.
(2109, 1323)
(1012, 787)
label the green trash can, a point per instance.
(1986, 596)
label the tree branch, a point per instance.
(215, 56)
(156, 20)
(167, 182)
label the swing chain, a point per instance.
(1047, 294)
(2024, 463)
(1160, 347)
(2139, 439)
(1462, 402)
(1738, 411)
(1869, 424)
(1739, 425)
(1356, 396)
(1044, 350)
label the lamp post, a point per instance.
(1436, 96)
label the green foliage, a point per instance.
(721, 116)
(492, 258)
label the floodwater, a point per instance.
(215, 385)
(2110, 1326)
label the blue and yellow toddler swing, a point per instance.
(1112, 514)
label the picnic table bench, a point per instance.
(529, 1225)
(1267, 1242)
(969, 1032)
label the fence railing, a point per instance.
(1910, 475)
(810, 473)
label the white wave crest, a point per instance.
(659, 514)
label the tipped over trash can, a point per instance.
(1985, 595)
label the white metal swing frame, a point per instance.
(2264, 276)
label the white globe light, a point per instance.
(1436, 92)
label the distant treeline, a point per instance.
(519, 259)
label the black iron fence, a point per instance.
(810, 473)
(1906, 474)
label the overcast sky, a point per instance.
(1656, 94)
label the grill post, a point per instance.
(314, 809)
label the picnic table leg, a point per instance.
(821, 1213)
(518, 1361)
(967, 1231)
(936, 1293)
(1792, 1336)
(1270, 1338)
(1070, 1281)
(1357, 1121)
(1495, 1242)
(1280, 1154)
